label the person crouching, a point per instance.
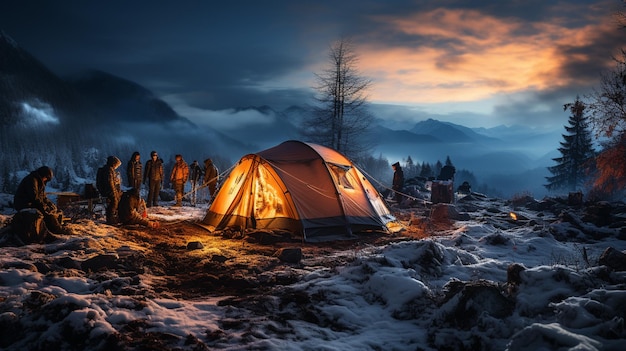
(129, 210)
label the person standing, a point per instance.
(196, 180)
(31, 193)
(178, 178)
(398, 181)
(154, 175)
(110, 186)
(211, 175)
(133, 170)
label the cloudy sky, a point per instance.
(476, 63)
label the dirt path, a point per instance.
(225, 263)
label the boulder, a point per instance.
(442, 213)
(289, 255)
(467, 302)
(194, 245)
(613, 259)
(96, 263)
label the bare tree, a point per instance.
(340, 119)
(609, 120)
(609, 101)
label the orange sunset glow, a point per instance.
(465, 55)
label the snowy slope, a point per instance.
(447, 291)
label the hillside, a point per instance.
(73, 124)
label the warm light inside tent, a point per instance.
(267, 203)
(513, 216)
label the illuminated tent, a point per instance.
(304, 188)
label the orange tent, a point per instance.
(303, 188)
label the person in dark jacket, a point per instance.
(178, 178)
(211, 175)
(31, 193)
(196, 179)
(133, 171)
(154, 175)
(398, 181)
(132, 208)
(112, 190)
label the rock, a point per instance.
(513, 276)
(11, 329)
(575, 198)
(496, 239)
(468, 301)
(20, 265)
(219, 258)
(442, 213)
(613, 259)
(194, 245)
(68, 262)
(493, 210)
(290, 255)
(598, 214)
(104, 261)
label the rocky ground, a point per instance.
(253, 270)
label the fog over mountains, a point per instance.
(74, 123)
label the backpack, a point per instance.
(102, 183)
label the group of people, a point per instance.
(153, 177)
(446, 174)
(126, 207)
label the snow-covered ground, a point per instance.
(448, 291)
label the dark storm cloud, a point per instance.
(220, 55)
(177, 47)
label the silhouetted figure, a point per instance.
(154, 175)
(196, 179)
(398, 182)
(133, 171)
(109, 186)
(31, 193)
(211, 175)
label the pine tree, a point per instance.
(437, 169)
(410, 168)
(426, 171)
(572, 168)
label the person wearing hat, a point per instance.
(178, 178)
(398, 181)
(31, 193)
(112, 188)
(154, 175)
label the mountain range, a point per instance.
(113, 115)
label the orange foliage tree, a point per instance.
(611, 166)
(609, 120)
